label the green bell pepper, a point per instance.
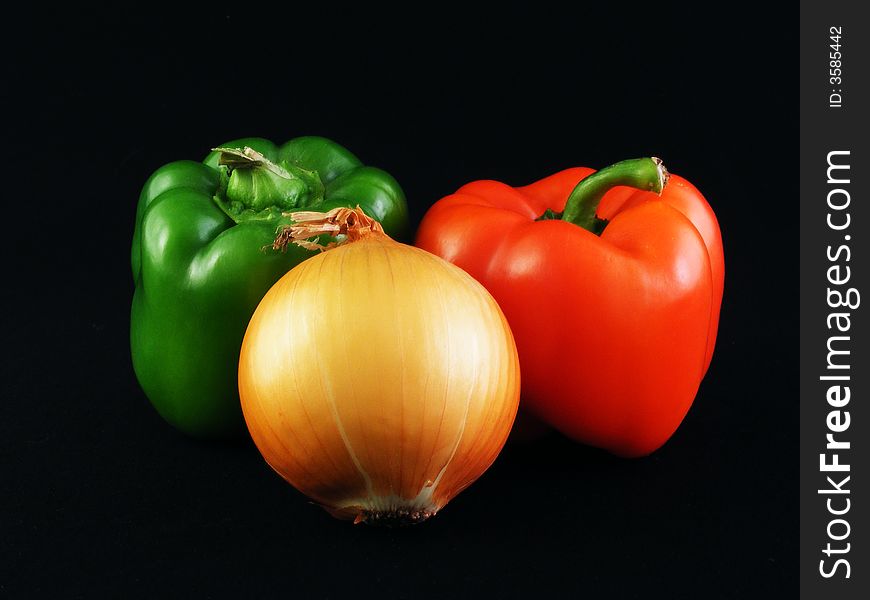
(203, 259)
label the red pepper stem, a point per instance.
(647, 174)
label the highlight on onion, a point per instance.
(376, 378)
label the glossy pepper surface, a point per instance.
(612, 284)
(202, 260)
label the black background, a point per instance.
(100, 497)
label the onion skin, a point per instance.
(379, 380)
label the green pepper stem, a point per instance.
(247, 158)
(254, 187)
(647, 174)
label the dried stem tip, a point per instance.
(352, 223)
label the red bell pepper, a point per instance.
(612, 283)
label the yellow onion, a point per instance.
(376, 378)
